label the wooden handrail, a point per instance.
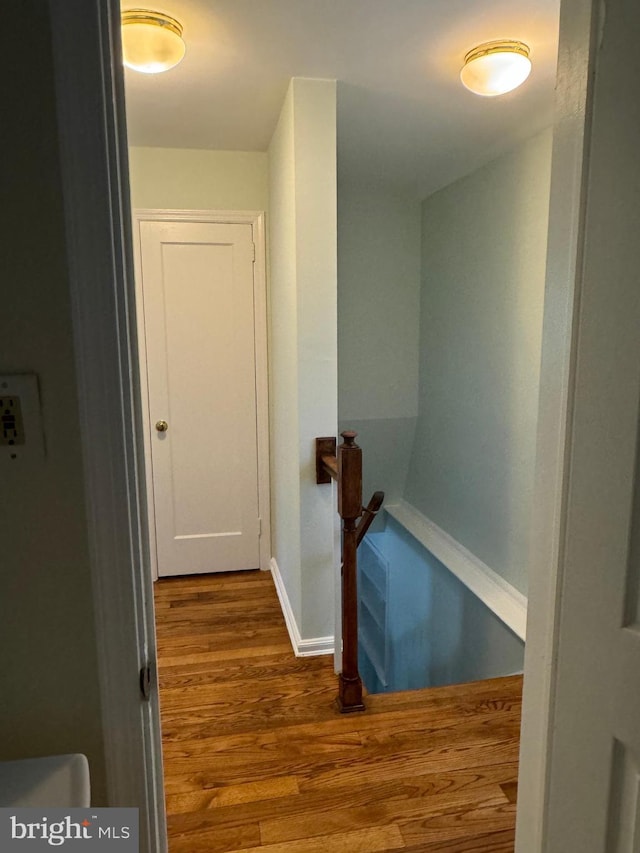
(369, 512)
(345, 467)
(330, 464)
(326, 453)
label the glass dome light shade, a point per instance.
(151, 41)
(496, 67)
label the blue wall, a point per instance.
(484, 243)
(445, 399)
(378, 329)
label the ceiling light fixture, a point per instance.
(151, 41)
(496, 67)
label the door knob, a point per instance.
(162, 426)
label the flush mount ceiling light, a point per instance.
(496, 67)
(151, 41)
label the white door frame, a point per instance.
(93, 158)
(95, 192)
(255, 218)
(561, 329)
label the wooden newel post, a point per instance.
(350, 509)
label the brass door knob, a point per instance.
(162, 426)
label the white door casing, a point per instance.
(203, 365)
(94, 186)
(95, 190)
(556, 381)
(587, 646)
(594, 790)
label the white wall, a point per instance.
(283, 358)
(189, 179)
(483, 272)
(303, 354)
(49, 696)
(378, 329)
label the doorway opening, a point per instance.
(93, 159)
(423, 332)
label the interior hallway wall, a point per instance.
(483, 274)
(303, 346)
(378, 330)
(49, 694)
(190, 179)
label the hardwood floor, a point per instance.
(257, 758)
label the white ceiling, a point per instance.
(404, 119)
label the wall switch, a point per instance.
(21, 433)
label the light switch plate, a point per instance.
(21, 435)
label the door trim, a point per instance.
(255, 218)
(579, 32)
(93, 152)
(93, 155)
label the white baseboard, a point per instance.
(302, 648)
(503, 599)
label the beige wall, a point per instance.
(189, 179)
(49, 699)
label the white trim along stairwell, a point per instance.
(498, 595)
(503, 599)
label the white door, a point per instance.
(593, 782)
(199, 321)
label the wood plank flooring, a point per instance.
(257, 758)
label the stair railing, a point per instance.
(345, 467)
